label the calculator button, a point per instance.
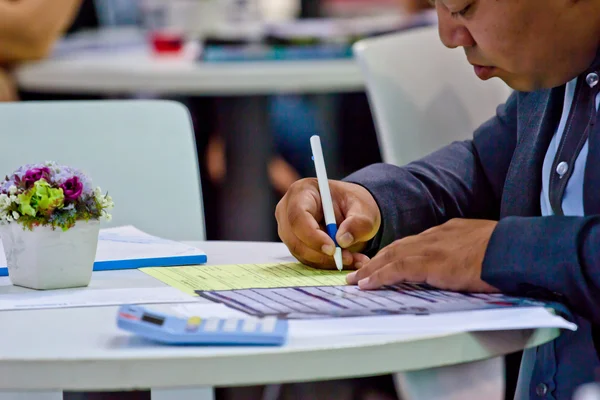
(193, 324)
(268, 324)
(211, 325)
(250, 325)
(230, 325)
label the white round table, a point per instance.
(43, 352)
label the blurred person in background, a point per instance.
(414, 6)
(28, 31)
(8, 91)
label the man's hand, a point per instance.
(449, 256)
(8, 90)
(301, 227)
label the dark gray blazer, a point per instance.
(498, 175)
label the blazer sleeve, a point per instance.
(557, 258)
(462, 180)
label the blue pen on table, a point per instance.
(331, 226)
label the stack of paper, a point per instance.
(127, 247)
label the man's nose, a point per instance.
(453, 33)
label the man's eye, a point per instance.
(462, 12)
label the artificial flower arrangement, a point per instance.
(49, 225)
(53, 195)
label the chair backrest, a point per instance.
(142, 152)
(422, 94)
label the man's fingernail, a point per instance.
(346, 239)
(328, 249)
(364, 283)
(351, 278)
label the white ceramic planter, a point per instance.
(50, 259)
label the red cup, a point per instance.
(166, 42)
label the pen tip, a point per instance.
(338, 259)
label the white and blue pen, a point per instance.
(330, 224)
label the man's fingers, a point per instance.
(408, 247)
(410, 269)
(302, 252)
(356, 229)
(359, 260)
(306, 228)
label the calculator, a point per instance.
(172, 329)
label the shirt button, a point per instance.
(562, 168)
(541, 389)
(592, 79)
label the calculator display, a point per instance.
(152, 319)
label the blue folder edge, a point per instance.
(141, 263)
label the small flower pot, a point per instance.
(44, 258)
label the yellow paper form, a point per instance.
(245, 276)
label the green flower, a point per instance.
(25, 203)
(41, 198)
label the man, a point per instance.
(515, 209)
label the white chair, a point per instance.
(422, 94)
(142, 152)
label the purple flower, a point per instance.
(72, 189)
(35, 174)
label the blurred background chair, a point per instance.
(422, 94)
(142, 152)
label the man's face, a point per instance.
(529, 44)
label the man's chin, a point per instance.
(519, 84)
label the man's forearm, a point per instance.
(444, 185)
(29, 28)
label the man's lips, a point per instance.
(483, 71)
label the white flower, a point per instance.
(15, 215)
(106, 215)
(4, 201)
(12, 189)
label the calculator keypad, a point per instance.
(211, 325)
(193, 324)
(268, 324)
(250, 325)
(230, 325)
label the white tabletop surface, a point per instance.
(81, 348)
(123, 64)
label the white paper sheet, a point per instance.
(128, 242)
(444, 323)
(87, 297)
